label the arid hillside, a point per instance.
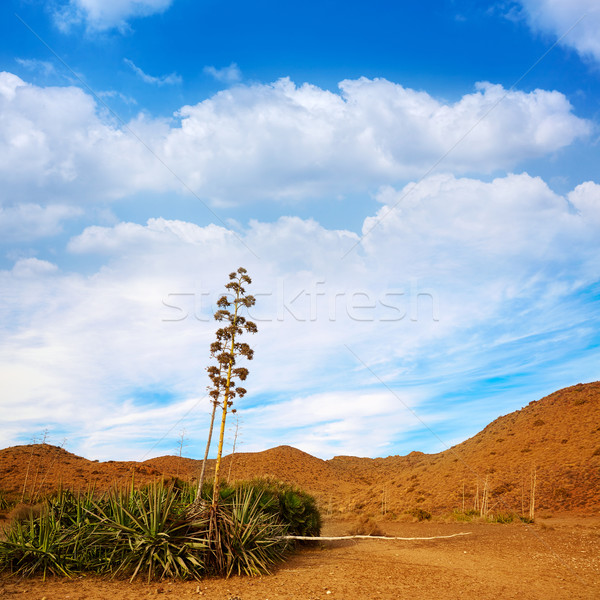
(554, 442)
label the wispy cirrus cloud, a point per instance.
(171, 79)
(116, 94)
(33, 64)
(230, 74)
(456, 285)
(102, 15)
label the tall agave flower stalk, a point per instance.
(226, 350)
(214, 372)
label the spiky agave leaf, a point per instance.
(37, 545)
(245, 539)
(147, 533)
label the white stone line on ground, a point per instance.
(373, 537)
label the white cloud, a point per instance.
(557, 16)
(289, 141)
(274, 141)
(586, 200)
(502, 260)
(33, 267)
(100, 15)
(32, 221)
(45, 67)
(326, 424)
(9, 84)
(230, 74)
(171, 79)
(115, 94)
(53, 139)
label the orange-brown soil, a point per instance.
(557, 438)
(559, 560)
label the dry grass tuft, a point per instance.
(365, 526)
(21, 512)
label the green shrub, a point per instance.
(525, 519)
(293, 507)
(502, 517)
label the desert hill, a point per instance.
(556, 439)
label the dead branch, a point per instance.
(372, 537)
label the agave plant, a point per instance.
(245, 539)
(143, 532)
(159, 531)
(37, 545)
(4, 503)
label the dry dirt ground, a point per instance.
(557, 558)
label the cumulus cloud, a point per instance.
(33, 267)
(53, 138)
(171, 79)
(453, 273)
(230, 74)
(288, 141)
(557, 16)
(273, 141)
(100, 15)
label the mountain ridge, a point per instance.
(556, 439)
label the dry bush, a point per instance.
(366, 526)
(419, 514)
(21, 512)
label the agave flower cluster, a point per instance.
(225, 349)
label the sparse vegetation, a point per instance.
(420, 514)
(365, 526)
(4, 502)
(497, 517)
(464, 515)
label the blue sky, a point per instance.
(413, 189)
